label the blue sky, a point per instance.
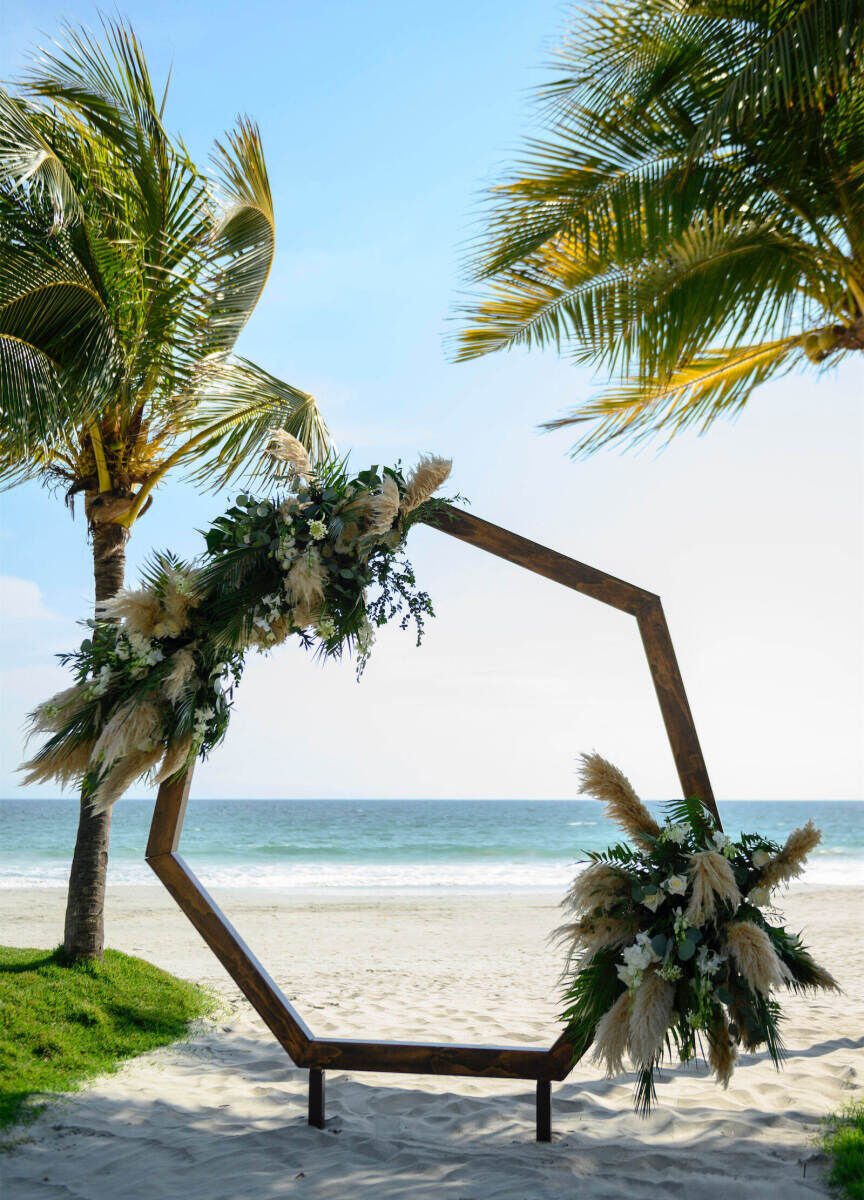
(382, 123)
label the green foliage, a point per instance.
(590, 993)
(692, 221)
(843, 1142)
(63, 1024)
(241, 593)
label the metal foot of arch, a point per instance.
(318, 1054)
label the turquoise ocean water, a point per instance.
(405, 844)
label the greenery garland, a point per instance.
(155, 679)
(670, 941)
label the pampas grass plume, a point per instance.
(177, 599)
(650, 1017)
(384, 506)
(181, 674)
(139, 609)
(599, 886)
(612, 1036)
(134, 727)
(426, 478)
(284, 447)
(590, 934)
(121, 775)
(51, 715)
(306, 579)
(789, 863)
(711, 879)
(756, 958)
(603, 781)
(61, 764)
(722, 1051)
(175, 756)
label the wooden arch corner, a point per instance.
(427, 1058)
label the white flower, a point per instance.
(365, 637)
(676, 885)
(99, 686)
(721, 841)
(631, 977)
(326, 628)
(759, 896)
(761, 858)
(707, 961)
(317, 530)
(653, 900)
(641, 954)
(676, 834)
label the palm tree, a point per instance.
(125, 279)
(692, 222)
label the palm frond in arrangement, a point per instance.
(126, 277)
(692, 222)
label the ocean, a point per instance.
(501, 845)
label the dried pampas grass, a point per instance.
(756, 958)
(789, 863)
(284, 447)
(306, 579)
(121, 775)
(175, 757)
(650, 1017)
(180, 676)
(384, 507)
(178, 599)
(711, 879)
(722, 1051)
(603, 781)
(820, 978)
(597, 887)
(135, 726)
(612, 1036)
(426, 478)
(590, 934)
(302, 615)
(53, 714)
(139, 609)
(60, 764)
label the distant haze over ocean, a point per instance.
(502, 845)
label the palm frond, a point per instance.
(29, 164)
(716, 384)
(239, 403)
(242, 238)
(696, 187)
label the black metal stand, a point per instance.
(316, 1099)
(544, 1110)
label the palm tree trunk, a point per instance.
(84, 934)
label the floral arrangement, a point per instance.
(155, 679)
(669, 940)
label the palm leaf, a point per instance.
(242, 237)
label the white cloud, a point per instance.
(21, 600)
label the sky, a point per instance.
(382, 124)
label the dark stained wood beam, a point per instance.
(435, 1058)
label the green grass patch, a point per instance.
(843, 1142)
(63, 1024)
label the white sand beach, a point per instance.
(222, 1116)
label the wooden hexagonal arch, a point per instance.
(428, 1058)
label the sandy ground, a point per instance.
(222, 1115)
